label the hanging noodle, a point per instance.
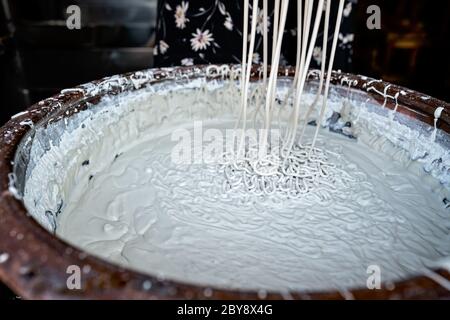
(290, 168)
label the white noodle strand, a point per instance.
(290, 169)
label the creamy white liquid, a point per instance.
(141, 210)
(175, 221)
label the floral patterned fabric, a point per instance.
(210, 31)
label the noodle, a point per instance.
(289, 168)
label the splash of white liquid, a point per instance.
(437, 115)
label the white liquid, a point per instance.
(142, 211)
(175, 221)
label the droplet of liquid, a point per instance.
(4, 257)
(147, 285)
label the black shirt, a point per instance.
(210, 31)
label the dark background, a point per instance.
(411, 49)
(39, 56)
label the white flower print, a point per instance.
(228, 23)
(317, 55)
(168, 7)
(348, 9)
(187, 62)
(201, 40)
(163, 46)
(260, 23)
(180, 15)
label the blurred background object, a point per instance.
(39, 55)
(412, 47)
